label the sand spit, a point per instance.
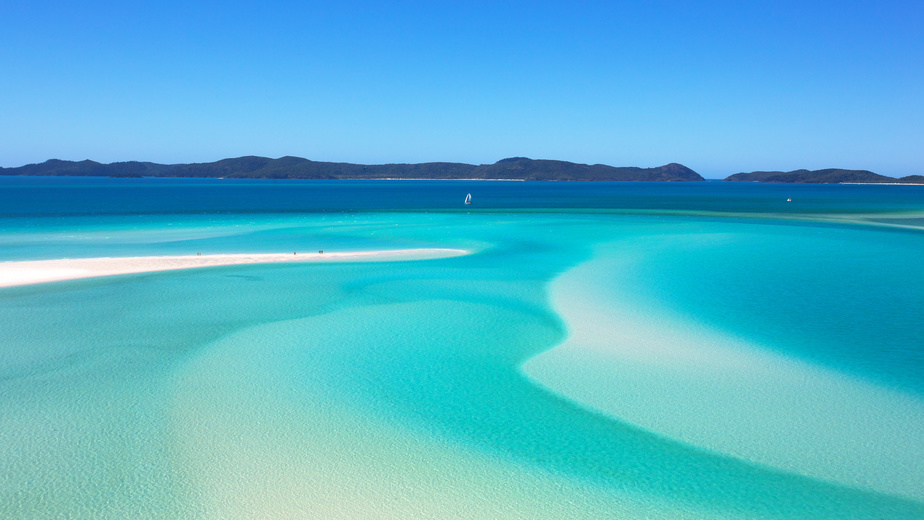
(41, 271)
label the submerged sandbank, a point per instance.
(673, 375)
(41, 271)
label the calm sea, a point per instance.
(397, 389)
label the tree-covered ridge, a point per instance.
(543, 170)
(827, 176)
(252, 167)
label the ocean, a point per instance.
(606, 350)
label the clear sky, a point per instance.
(721, 87)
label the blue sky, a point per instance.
(719, 86)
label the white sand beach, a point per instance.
(42, 271)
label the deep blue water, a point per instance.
(59, 196)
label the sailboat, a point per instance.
(468, 198)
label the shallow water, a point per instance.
(550, 374)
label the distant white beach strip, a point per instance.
(42, 271)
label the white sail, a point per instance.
(468, 198)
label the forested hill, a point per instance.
(828, 176)
(251, 167)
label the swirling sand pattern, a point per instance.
(387, 390)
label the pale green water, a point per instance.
(398, 390)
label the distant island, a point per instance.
(828, 176)
(251, 167)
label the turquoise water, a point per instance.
(633, 350)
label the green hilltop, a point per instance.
(827, 176)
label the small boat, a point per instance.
(788, 200)
(468, 198)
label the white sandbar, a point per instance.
(41, 271)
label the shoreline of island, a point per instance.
(288, 167)
(29, 272)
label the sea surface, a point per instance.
(606, 350)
